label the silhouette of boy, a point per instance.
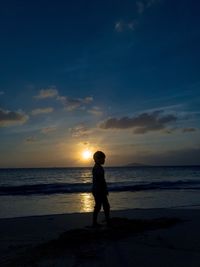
(99, 187)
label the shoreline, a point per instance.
(183, 207)
(181, 240)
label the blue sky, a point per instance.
(120, 76)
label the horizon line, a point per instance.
(111, 166)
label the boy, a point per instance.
(99, 188)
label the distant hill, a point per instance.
(136, 165)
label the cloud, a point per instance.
(47, 93)
(48, 130)
(168, 131)
(9, 118)
(121, 26)
(142, 123)
(41, 111)
(71, 104)
(95, 111)
(143, 5)
(131, 25)
(31, 139)
(80, 131)
(188, 130)
(140, 7)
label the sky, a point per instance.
(118, 76)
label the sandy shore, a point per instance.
(23, 240)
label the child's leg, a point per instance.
(106, 207)
(97, 209)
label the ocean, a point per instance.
(42, 191)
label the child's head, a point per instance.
(99, 157)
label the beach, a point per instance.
(36, 240)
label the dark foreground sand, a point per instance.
(152, 237)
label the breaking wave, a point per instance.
(63, 188)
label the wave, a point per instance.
(61, 188)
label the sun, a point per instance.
(86, 154)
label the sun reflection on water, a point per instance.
(86, 176)
(87, 202)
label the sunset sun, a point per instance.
(86, 154)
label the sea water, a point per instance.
(28, 192)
